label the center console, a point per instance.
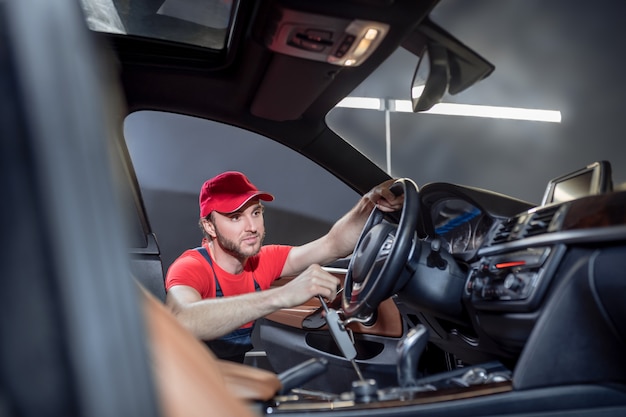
(513, 281)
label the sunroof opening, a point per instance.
(204, 23)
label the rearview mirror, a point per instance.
(445, 66)
(431, 79)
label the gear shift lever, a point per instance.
(409, 350)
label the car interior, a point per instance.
(467, 302)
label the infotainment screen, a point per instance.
(593, 179)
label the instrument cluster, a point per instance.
(460, 225)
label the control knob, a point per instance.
(513, 283)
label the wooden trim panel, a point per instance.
(388, 322)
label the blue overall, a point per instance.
(234, 345)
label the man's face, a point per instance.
(240, 233)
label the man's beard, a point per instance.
(233, 249)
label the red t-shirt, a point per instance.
(193, 270)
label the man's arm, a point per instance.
(215, 317)
(342, 237)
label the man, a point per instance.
(219, 289)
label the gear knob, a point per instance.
(409, 351)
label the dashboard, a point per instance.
(510, 252)
(510, 247)
(464, 217)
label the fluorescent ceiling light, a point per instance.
(366, 103)
(454, 109)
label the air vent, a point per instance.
(525, 225)
(503, 234)
(540, 221)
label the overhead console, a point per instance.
(310, 49)
(345, 42)
(316, 44)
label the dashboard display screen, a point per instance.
(593, 179)
(572, 188)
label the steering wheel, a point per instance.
(380, 255)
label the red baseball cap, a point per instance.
(228, 192)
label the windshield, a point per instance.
(204, 23)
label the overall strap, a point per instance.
(205, 254)
(218, 289)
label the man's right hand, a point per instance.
(312, 282)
